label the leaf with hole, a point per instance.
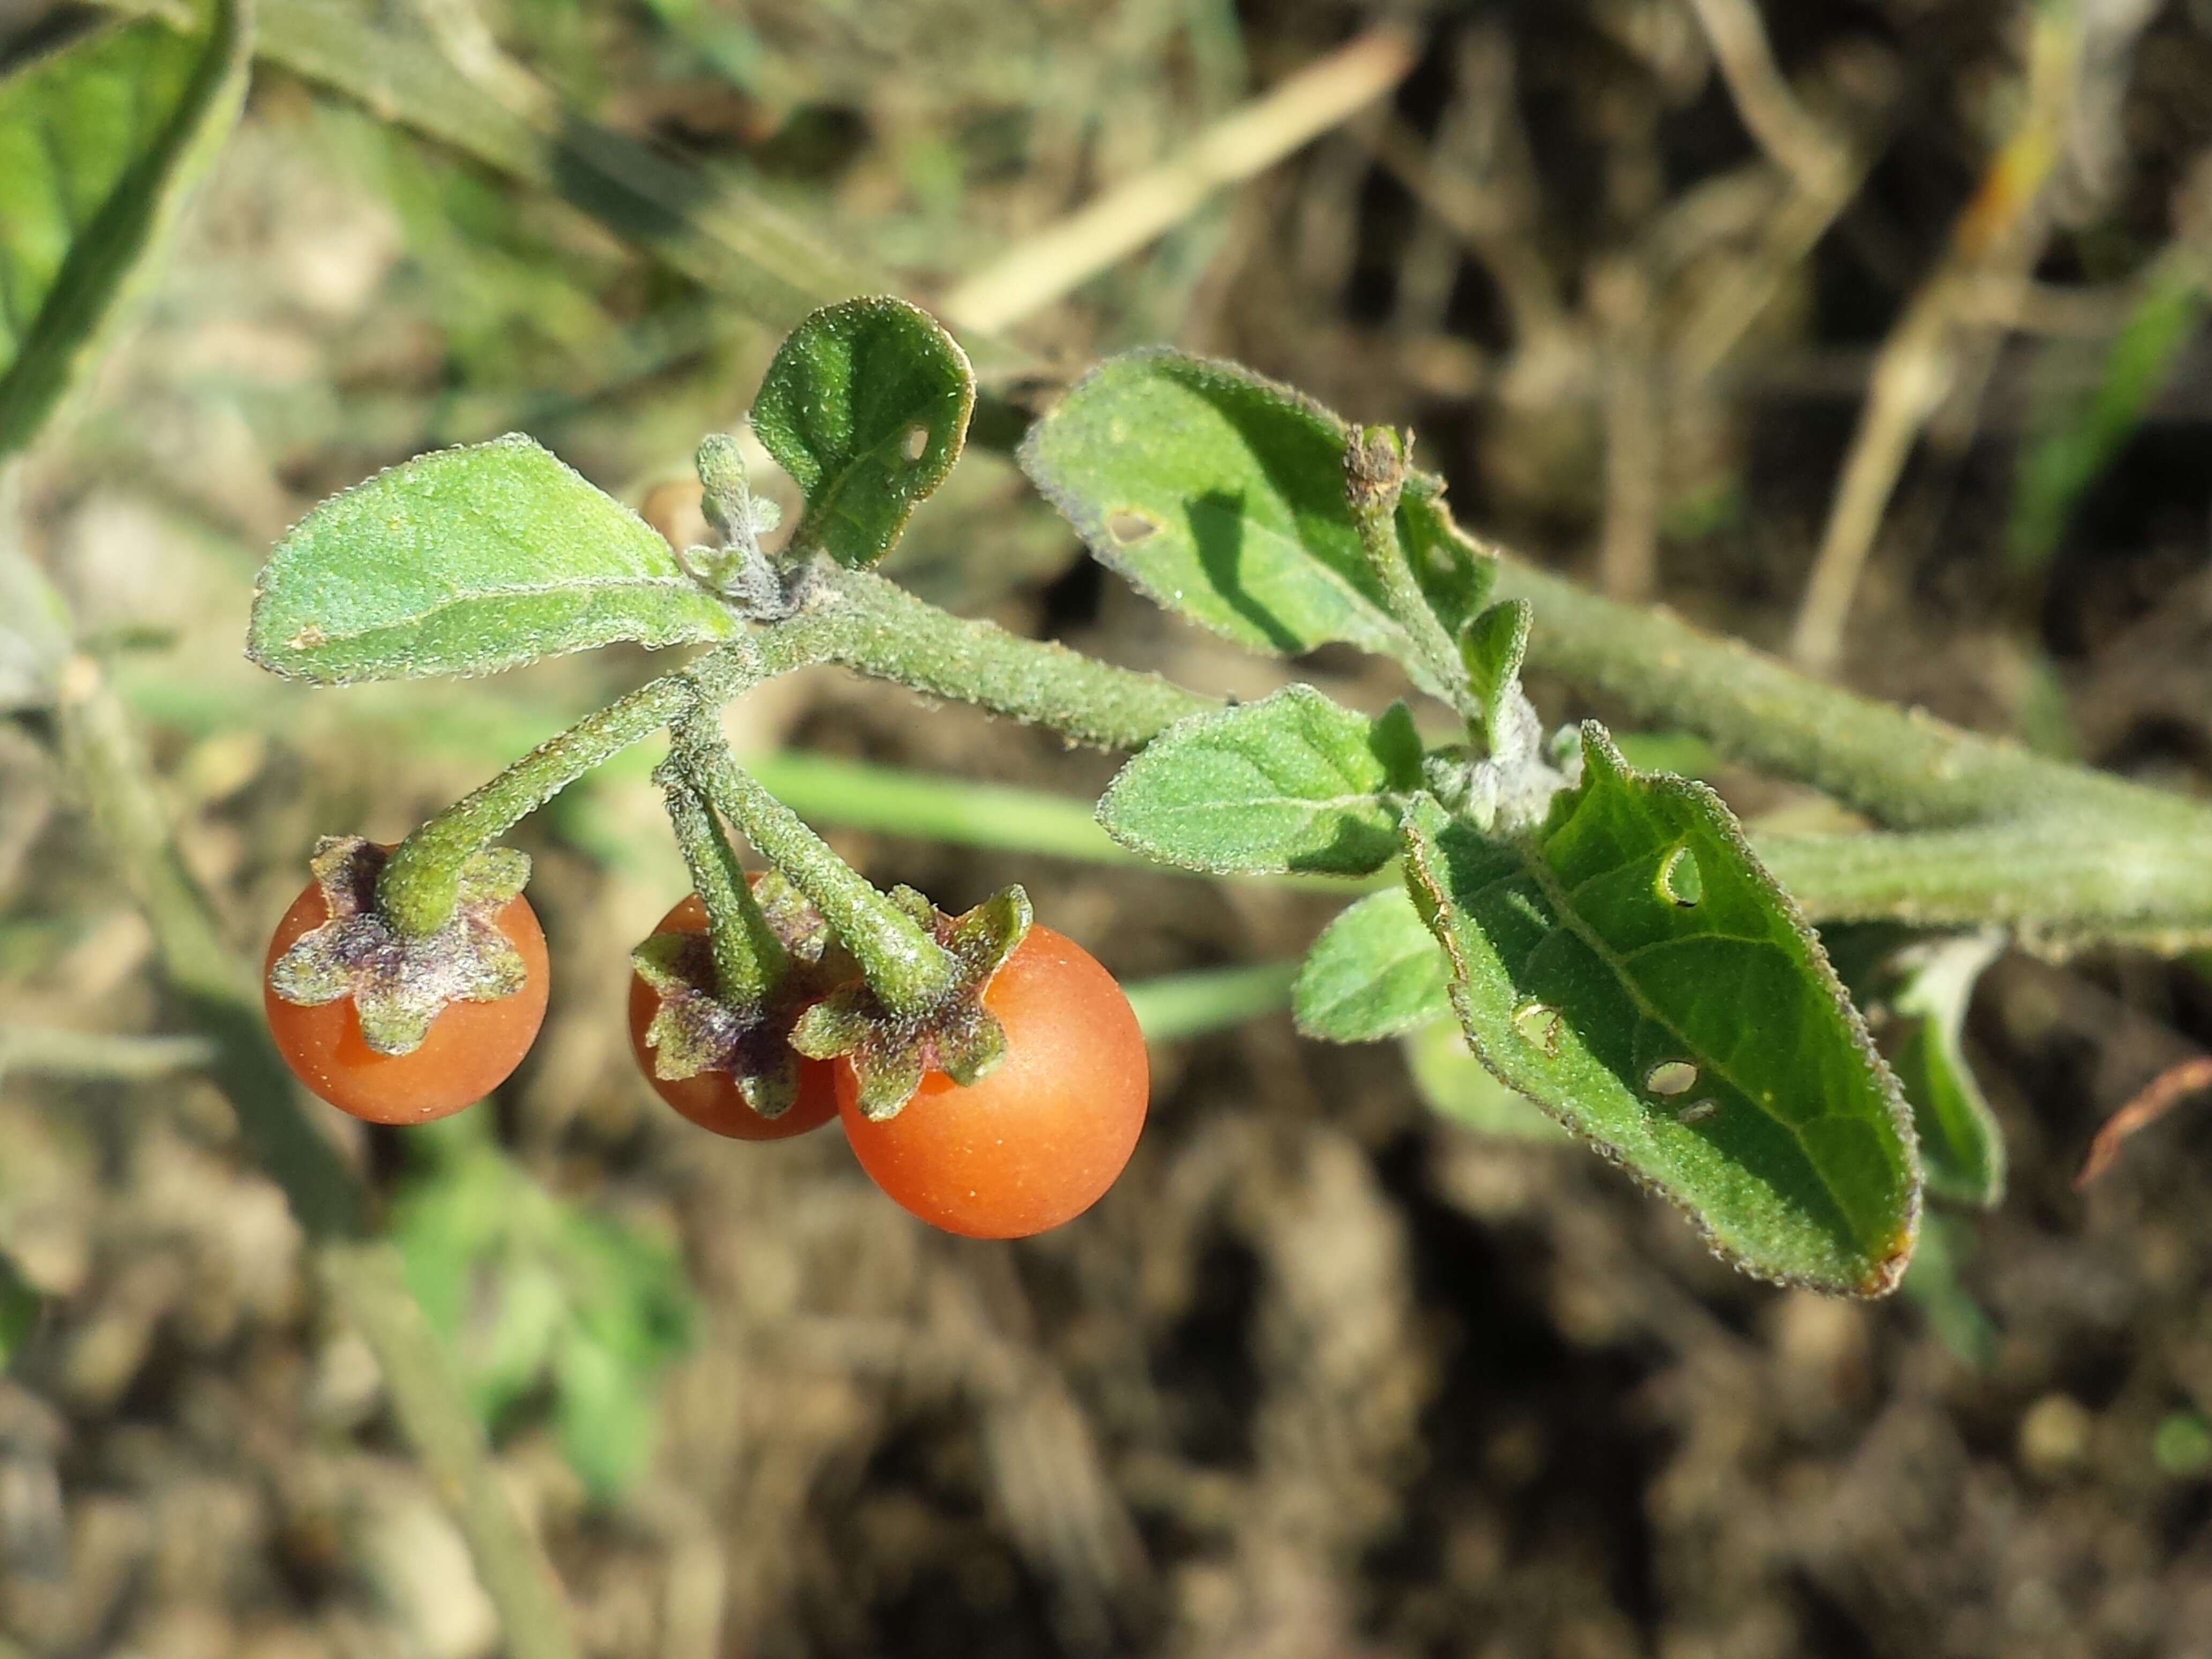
(1294, 782)
(1692, 1031)
(867, 407)
(101, 141)
(464, 561)
(1220, 494)
(1374, 972)
(1915, 989)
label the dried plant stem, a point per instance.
(1824, 169)
(1800, 144)
(1998, 236)
(1063, 256)
(1628, 550)
(2164, 1093)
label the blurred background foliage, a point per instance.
(1691, 297)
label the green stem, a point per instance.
(1190, 1005)
(1374, 477)
(1903, 768)
(904, 966)
(2064, 879)
(750, 960)
(886, 632)
(422, 879)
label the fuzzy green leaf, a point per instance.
(867, 407)
(1456, 1085)
(1374, 972)
(466, 562)
(1291, 783)
(1915, 990)
(101, 141)
(1491, 646)
(1221, 494)
(1694, 1032)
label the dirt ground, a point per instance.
(1325, 1376)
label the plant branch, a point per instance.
(421, 881)
(1374, 478)
(750, 960)
(1903, 768)
(2064, 851)
(904, 966)
(1801, 145)
(2057, 882)
(884, 631)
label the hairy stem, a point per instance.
(886, 632)
(2059, 881)
(1210, 998)
(1374, 477)
(904, 966)
(1901, 767)
(750, 960)
(422, 879)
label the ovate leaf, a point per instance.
(1456, 1085)
(464, 561)
(1491, 646)
(100, 143)
(1221, 494)
(1690, 1028)
(1374, 972)
(1915, 989)
(867, 407)
(1291, 783)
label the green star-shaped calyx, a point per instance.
(399, 985)
(890, 1052)
(696, 1029)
